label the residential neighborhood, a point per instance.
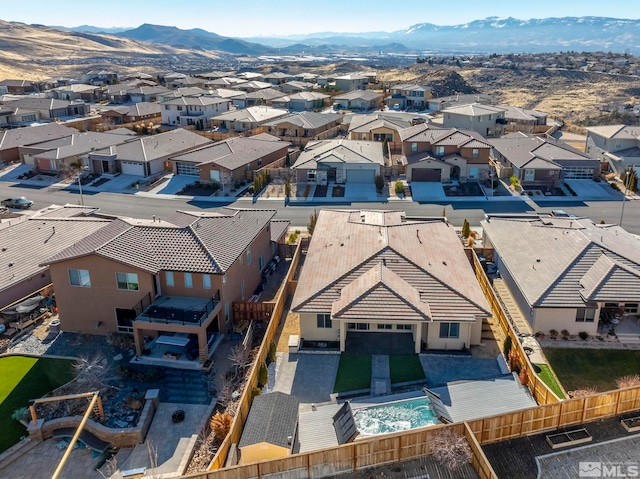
(241, 272)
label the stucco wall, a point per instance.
(546, 319)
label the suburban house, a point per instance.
(377, 127)
(359, 100)
(266, 96)
(253, 85)
(18, 87)
(540, 162)
(179, 92)
(70, 152)
(441, 154)
(185, 82)
(339, 161)
(188, 110)
(352, 81)
(230, 160)
(14, 117)
(146, 93)
(444, 102)
(409, 95)
(225, 82)
(76, 91)
(247, 119)
(50, 108)
(169, 282)
(276, 78)
(485, 119)
(526, 121)
(295, 86)
(307, 100)
(271, 428)
(138, 112)
(378, 276)
(49, 231)
(618, 145)
(300, 128)
(564, 273)
(144, 156)
(12, 140)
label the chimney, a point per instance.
(154, 218)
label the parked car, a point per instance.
(19, 202)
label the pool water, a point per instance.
(395, 416)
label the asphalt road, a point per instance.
(457, 212)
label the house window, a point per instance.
(362, 326)
(128, 281)
(311, 176)
(403, 326)
(414, 147)
(206, 281)
(631, 308)
(618, 144)
(188, 280)
(179, 108)
(529, 174)
(479, 119)
(167, 107)
(384, 326)
(248, 254)
(323, 320)
(261, 262)
(449, 330)
(439, 151)
(585, 315)
(168, 275)
(259, 162)
(475, 153)
(79, 277)
(242, 290)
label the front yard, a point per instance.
(596, 368)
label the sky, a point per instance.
(270, 18)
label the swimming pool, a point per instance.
(395, 416)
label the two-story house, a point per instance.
(441, 154)
(188, 110)
(352, 81)
(485, 119)
(619, 145)
(359, 100)
(171, 283)
(300, 128)
(247, 119)
(409, 95)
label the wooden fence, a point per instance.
(244, 405)
(254, 311)
(540, 391)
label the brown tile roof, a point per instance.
(425, 254)
(188, 241)
(279, 228)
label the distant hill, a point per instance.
(194, 38)
(92, 29)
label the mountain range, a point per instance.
(490, 35)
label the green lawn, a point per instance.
(354, 372)
(598, 368)
(544, 372)
(25, 378)
(405, 368)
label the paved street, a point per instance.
(457, 211)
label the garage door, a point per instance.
(187, 169)
(129, 168)
(425, 174)
(360, 176)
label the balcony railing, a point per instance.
(191, 113)
(183, 311)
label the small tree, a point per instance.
(399, 187)
(287, 160)
(444, 212)
(450, 449)
(379, 180)
(466, 229)
(287, 188)
(263, 375)
(506, 346)
(385, 148)
(311, 225)
(630, 179)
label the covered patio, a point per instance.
(379, 343)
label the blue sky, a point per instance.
(260, 17)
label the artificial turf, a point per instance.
(25, 378)
(354, 373)
(544, 372)
(405, 368)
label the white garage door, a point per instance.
(360, 176)
(187, 169)
(129, 168)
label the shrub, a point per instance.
(251, 189)
(399, 187)
(565, 333)
(221, 424)
(612, 330)
(263, 375)
(255, 392)
(583, 335)
(553, 333)
(271, 356)
(287, 188)
(379, 181)
(584, 392)
(466, 229)
(506, 346)
(450, 449)
(614, 186)
(632, 380)
(311, 225)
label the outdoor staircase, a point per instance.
(183, 386)
(491, 330)
(511, 307)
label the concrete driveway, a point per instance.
(309, 377)
(591, 189)
(427, 191)
(360, 192)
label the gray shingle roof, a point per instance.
(253, 114)
(188, 241)
(307, 119)
(278, 228)
(554, 262)
(366, 95)
(622, 132)
(273, 418)
(345, 151)
(520, 150)
(33, 134)
(423, 255)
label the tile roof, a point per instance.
(279, 228)
(343, 151)
(188, 241)
(622, 132)
(33, 134)
(46, 235)
(550, 259)
(195, 101)
(308, 96)
(273, 418)
(78, 144)
(521, 150)
(424, 256)
(366, 95)
(366, 123)
(265, 94)
(473, 109)
(307, 119)
(35, 103)
(235, 152)
(253, 114)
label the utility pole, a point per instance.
(624, 195)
